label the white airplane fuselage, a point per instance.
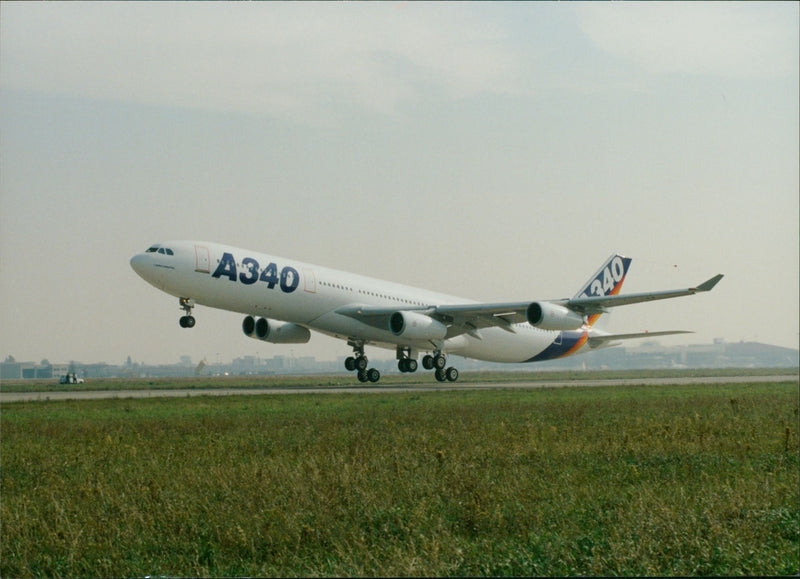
(277, 288)
(283, 299)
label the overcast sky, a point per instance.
(496, 151)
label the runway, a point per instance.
(6, 397)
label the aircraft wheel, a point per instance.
(361, 363)
(441, 376)
(187, 321)
(350, 363)
(439, 362)
(407, 365)
(362, 376)
(451, 374)
(373, 375)
(427, 362)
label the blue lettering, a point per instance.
(251, 275)
(226, 267)
(270, 275)
(290, 279)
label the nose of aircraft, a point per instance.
(138, 262)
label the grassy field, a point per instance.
(677, 480)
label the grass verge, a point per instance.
(683, 480)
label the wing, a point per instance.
(469, 318)
(503, 315)
(460, 318)
(599, 304)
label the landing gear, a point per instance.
(359, 363)
(188, 320)
(371, 375)
(449, 375)
(438, 362)
(356, 363)
(407, 365)
(406, 360)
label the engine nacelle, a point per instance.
(275, 332)
(249, 326)
(416, 326)
(548, 316)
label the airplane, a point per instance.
(283, 300)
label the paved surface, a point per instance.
(377, 388)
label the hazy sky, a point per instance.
(496, 151)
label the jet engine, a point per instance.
(275, 332)
(416, 326)
(549, 316)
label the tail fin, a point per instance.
(606, 281)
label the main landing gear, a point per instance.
(186, 304)
(359, 363)
(438, 362)
(406, 362)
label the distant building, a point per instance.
(646, 355)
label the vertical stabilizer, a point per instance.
(606, 281)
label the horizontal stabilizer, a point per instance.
(596, 341)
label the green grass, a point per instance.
(678, 480)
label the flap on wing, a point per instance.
(484, 315)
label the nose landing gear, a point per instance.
(188, 320)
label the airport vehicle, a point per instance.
(70, 379)
(284, 299)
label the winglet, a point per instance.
(708, 285)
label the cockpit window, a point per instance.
(158, 249)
